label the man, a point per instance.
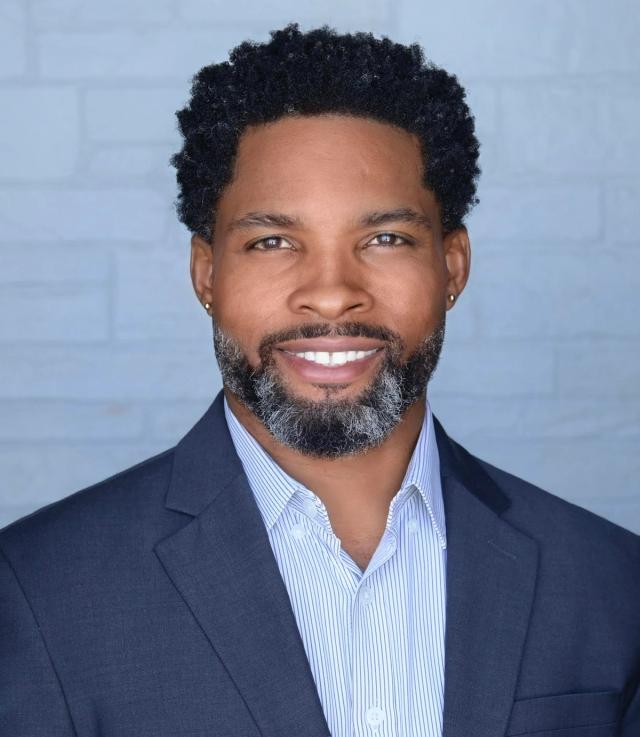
(316, 556)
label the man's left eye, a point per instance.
(389, 239)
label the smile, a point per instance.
(332, 358)
(330, 367)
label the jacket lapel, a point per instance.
(223, 566)
(491, 575)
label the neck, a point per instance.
(357, 489)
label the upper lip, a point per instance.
(330, 345)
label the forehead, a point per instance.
(337, 158)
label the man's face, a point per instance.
(327, 248)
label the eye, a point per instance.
(270, 243)
(389, 239)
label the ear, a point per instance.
(457, 254)
(202, 270)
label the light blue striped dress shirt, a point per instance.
(374, 639)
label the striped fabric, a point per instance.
(374, 640)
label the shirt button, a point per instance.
(389, 546)
(375, 716)
(412, 525)
(298, 531)
(309, 507)
(367, 595)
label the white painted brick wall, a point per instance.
(13, 40)
(82, 214)
(40, 132)
(530, 214)
(107, 357)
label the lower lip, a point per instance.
(316, 372)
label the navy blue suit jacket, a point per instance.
(151, 605)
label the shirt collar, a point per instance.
(273, 487)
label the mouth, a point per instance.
(333, 358)
(326, 361)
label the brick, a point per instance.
(600, 42)
(134, 115)
(571, 127)
(27, 263)
(622, 123)
(154, 298)
(39, 133)
(622, 198)
(355, 15)
(552, 128)
(144, 53)
(469, 419)
(26, 420)
(530, 38)
(38, 214)
(556, 292)
(13, 39)
(38, 474)
(117, 162)
(122, 372)
(496, 37)
(73, 312)
(73, 13)
(494, 369)
(534, 214)
(169, 421)
(606, 369)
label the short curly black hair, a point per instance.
(316, 72)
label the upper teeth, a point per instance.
(335, 358)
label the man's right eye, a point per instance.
(270, 243)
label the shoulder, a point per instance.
(587, 583)
(563, 529)
(116, 513)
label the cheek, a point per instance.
(414, 298)
(246, 307)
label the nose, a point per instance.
(329, 286)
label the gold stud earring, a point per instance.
(452, 298)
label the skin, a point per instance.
(328, 171)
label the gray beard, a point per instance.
(330, 428)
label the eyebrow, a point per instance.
(400, 214)
(370, 219)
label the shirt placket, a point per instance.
(373, 694)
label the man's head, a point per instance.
(325, 179)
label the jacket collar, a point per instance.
(206, 461)
(222, 564)
(456, 463)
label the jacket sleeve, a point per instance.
(32, 703)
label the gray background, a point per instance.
(106, 354)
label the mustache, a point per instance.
(324, 330)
